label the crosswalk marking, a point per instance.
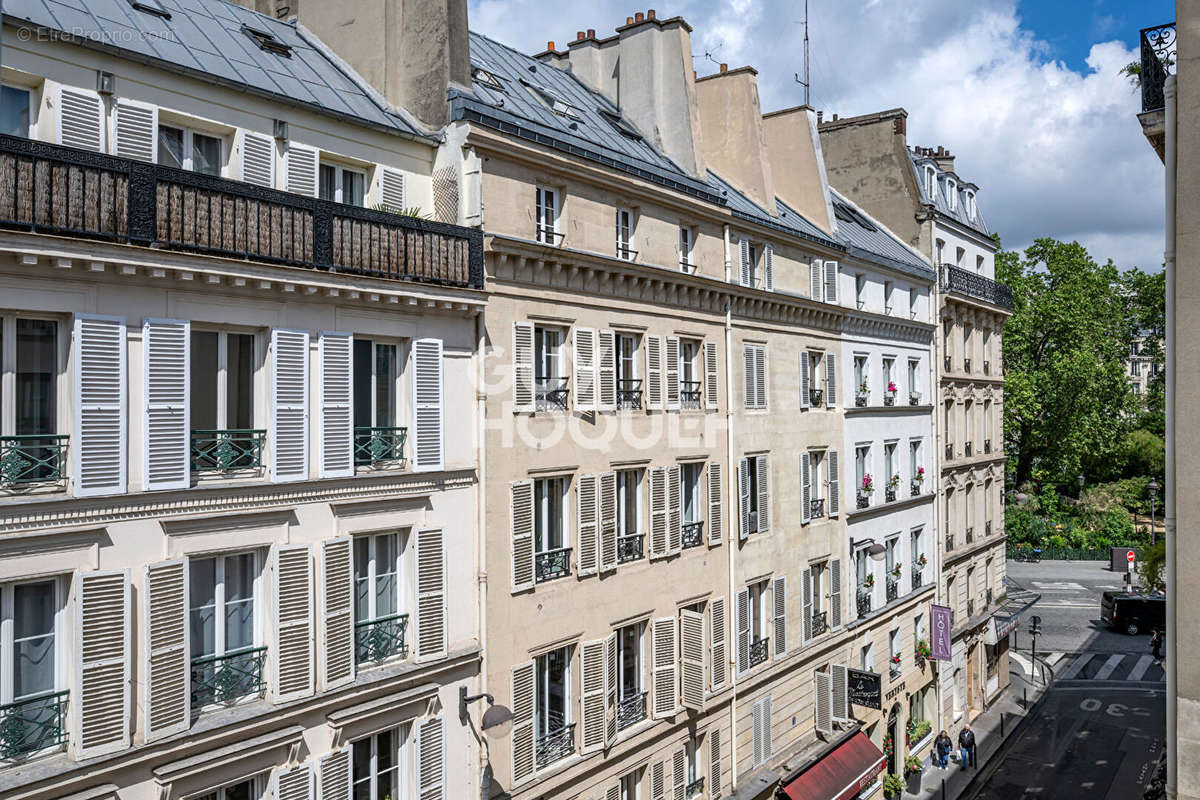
(1077, 666)
(1025, 663)
(1140, 668)
(1109, 667)
(1055, 659)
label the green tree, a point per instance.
(1146, 313)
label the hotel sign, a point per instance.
(940, 623)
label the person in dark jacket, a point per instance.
(942, 747)
(966, 746)
(1156, 643)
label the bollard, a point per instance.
(1001, 726)
(943, 789)
(1024, 697)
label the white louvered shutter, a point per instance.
(711, 385)
(659, 522)
(608, 521)
(428, 414)
(523, 733)
(761, 720)
(337, 414)
(99, 356)
(714, 764)
(744, 498)
(258, 159)
(744, 261)
(831, 281)
(674, 509)
(718, 658)
(135, 130)
(835, 491)
(805, 378)
(336, 613)
(830, 380)
(333, 775)
(302, 171)
(610, 686)
(295, 783)
(594, 696)
(763, 463)
(431, 631)
(806, 600)
(823, 702)
(779, 603)
(749, 393)
(166, 462)
(658, 781)
(840, 692)
(672, 373)
(663, 655)
(760, 376)
(607, 397)
(391, 189)
(835, 593)
(769, 267)
(743, 630)
(805, 487)
(431, 759)
(716, 489)
(654, 387)
(289, 405)
(585, 369)
(165, 647)
(815, 279)
(691, 659)
(679, 774)
(80, 119)
(522, 366)
(100, 704)
(293, 615)
(522, 535)
(614, 792)
(586, 493)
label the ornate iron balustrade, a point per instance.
(46, 188)
(987, 528)
(966, 365)
(947, 364)
(694, 789)
(889, 494)
(374, 446)
(629, 548)
(1158, 61)
(914, 399)
(33, 724)
(758, 651)
(35, 458)
(918, 577)
(892, 590)
(629, 393)
(380, 639)
(914, 488)
(949, 451)
(816, 508)
(693, 534)
(862, 499)
(820, 622)
(861, 399)
(228, 677)
(970, 535)
(987, 368)
(971, 608)
(631, 710)
(968, 449)
(689, 394)
(815, 396)
(551, 394)
(949, 542)
(894, 671)
(864, 602)
(987, 446)
(889, 399)
(960, 281)
(551, 564)
(557, 743)
(227, 450)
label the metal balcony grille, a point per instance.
(1158, 61)
(227, 450)
(862, 499)
(33, 724)
(816, 508)
(551, 564)
(32, 459)
(380, 639)
(949, 542)
(815, 396)
(693, 534)
(631, 710)
(970, 284)
(966, 365)
(968, 449)
(689, 394)
(758, 650)
(557, 743)
(892, 589)
(864, 602)
(374, 446)
(820, 622)
(970, 535)
(629, 393)
(629, 548)
(228, 677)
(551, 394)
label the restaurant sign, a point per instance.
(866, 688)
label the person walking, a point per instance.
(966, 746)
(942, 747)
(1156, 643)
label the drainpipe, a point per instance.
(1170, 156)
(935, 353)
(481, 539)
(731, 475)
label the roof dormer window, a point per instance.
(970, 205)
(930, 181)
(951, 193)
(485, 78)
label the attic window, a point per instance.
(847, 214)
(623, 127)
(951, 193)
(551, 101)
(267, 41)
(971, 205)
(150, 7)
(485, 78)
(930, 181)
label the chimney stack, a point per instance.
(732, 133)
(591, 33)
(550, 45)
(724, 68)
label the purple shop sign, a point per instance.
(940, 621)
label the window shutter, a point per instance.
(831, 281)
(333, 775)
(760, 376)
(815, 279)
(674, 509)
(337, 418)
(258, 159)
(294, 783)
(99, 357)
(715, 519)
(835, 492)
(664, 657)
(302, 169)
(594, 696)
(588, 516)
(614, 792)
(80, 119)
(607, 400)
(523, 734)
(805, 378)
(289, 417)
(830, 380)
(764, 494)
(659, 523)
(608, 521)
(431, 634)
(673, 372)
(585, 369)
(168, 669)
(743, 630)
(522, 535)
(805, 487)
(429, 445)
(716, 642)
(835, 593)
(658, 781)
(166, 451)
(759, 725)
(751, 396)
(391, 189)
(522, 366)
(679, 773)
(135, 130)
(779, 600)
(691, 659)
(823, 702)
(293, 649)
(744, 260)
(714, 764)
(336, 613)
(744, 498)
(610, 686)
(711, 387)
(769, 267)
(100, 703)
(654, 395)
(806, 597)
(840, 691)
(431, 759)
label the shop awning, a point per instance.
(840, 775)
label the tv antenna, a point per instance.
(805, 83)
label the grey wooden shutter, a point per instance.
(830, 380)
(80, 119)
(831, 281)
(672, 373)
(806, 597)
(522, 535)
(587, 518)
(428, 414)
(761, 734)
(658, 781)
(714, 764)
(258, 159)
(302, 169)
(711, 371)
(691, 659)
(823, 702)
(431, 633)
(523, 732)
(769, 267)
(805, 487)
(835, 593)
(585, 368)
(607, 400)
(610, 686)
(763, 464)
(744, 260)
(99, 387)
(659, 543)
(613, 792)
(679, 773)
(295, 783)
(815, 279)
(744, 498)
(293, 649)
(392, 189)
(719, 659)
(522, 366)
(608, 521)
(743, 630)
(716, 488)
(135, 130)
(337, 417)
(289, 405)
(335, 614)
(167, 700)
(779, 601)
(100, 704)
(749, 392)
(760, 376)
(333, 775)
(840, 692)
(805, 378)
(594, 720)
(431, 759)
(166, 450)
(835, 491)
(663, 658)
(674, 509)
(654, 387)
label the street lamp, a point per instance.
(496, 723)
(1153, 487)
(876, 550)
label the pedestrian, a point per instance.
(942, 747)
(966, 746)
(1156, 642)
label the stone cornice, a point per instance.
(864, 323)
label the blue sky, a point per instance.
(1070, 27)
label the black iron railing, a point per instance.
(629, 393)
(949, 451)
(889, 494)
(693, 534)
(864, 601)
(33, 724)
(689, 394)
(862, 499)
(968, 449)
(894, 671)
(374, 446)
(816, 508)
(918, 577)
(380, 639)
(861, 399)
(970, 534)
(551, 564)
(33, 458)
(949, 542)
(820, 622)
(987, 368)
(551, 394)
(987, 528)
(966, 365)
(969, 284)
(555, 744)
(889, 399)
(914, 488)
(758, 650)
(987, 446)
(947, 363)
(892, 590)
(631, 710)
(694, 789)
(1158, 61)
(988, 596)
(227, 677)
(815, 396)
(629, 548)
(914, 399)
(227, 450)
(971, 608)
(752, 522)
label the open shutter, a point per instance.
(840, 691)
(823, 702)
(431, 759)
(523, 733)
(258, 159)
(289, 412)
(658, 781)
(743, 498)
(522, 535)
(610, 686)
(522, 366)
(711, 387)
(835, 492)
(672, 372)
(714, 764)
(135, 130)
(748, 387)
(429, 444)
(830, 380)
(333, 775)
(691, 659)
(806, 597)
(302, 169)
(805, 487)
(831, 281)
(391, 189)
(716, 488)
(744, 261)
(80, 119)
(100, 690)
(608, 521)
(168, 669)
(743, 630)
(654, 388)
(99, 388)
(588, 517)
(594, 696)
(716, 643)
(337, 417)
(679, 773)
(293, 649)
(815, 279)
(779, 601)
(585, 369)
(431, 631)
(769, 267)
(607, 400)
(166, 462)
(659, 544)
(805, 378)
(760, 376)
(674, 509)
(336, 613)
(764, 493)
(663, 655)
(835, 593)
(295, 783)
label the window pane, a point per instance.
(360, 771)
(327, 183)
(362, 383)
(33, 638)
(37, 369)
(239, 601)
(385, 385)
(170, 146)
(206, 154)
(362, 566)
(240, 791)
(352, 188)
(239, 390)
(202, 587)
(385, 571)
(14, 111)
(204, 380)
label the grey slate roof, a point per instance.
(959, 214)
(789, 221)
(868, 239)
(204, 38)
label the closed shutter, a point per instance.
(779, 601)
(831, 281)
(654, 388)
(588, 517)
(716, 488)
(295, 783)
(748, 388)
(336, 613)
(167, 435)
(607, 400)
(744, 498)
(823, 702)
(805, 378)
(100, 690)
(691, 659)
(391, 189)
(659, 544)
(663, 655)
(585, 369)
(805, 487)
(835, 492)
(714, 764)
(769, 267)
(258, 159)
(815, 279)
(99, 461)
(168, 670)
(830, 380)
(302, 169)
(333, 775)
(522, 366)
(761, 734)
(337, 419)
(431, 631)
(672, 372)
(658, 781)
(289, 417)
(594, 696)
(80, 119)
(674, 509)
(743, 630)
(760, 376)
(610, 686)
(835, 593)
(764, 494)
(711, 387)
(431, 759)
(840, 692)
(744, 261)
(293, 649)
(613, 792)
(679, 773)
(522, 535)
(716, 643)
(608, 521)
(135, 130)
(523, 734)
(427, 410)
(806, 598)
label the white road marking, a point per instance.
(1076, 666)
(1059, 586)
(1139, 669)
(1025, 663)
(1109, 667)
(1054, 659)
(1066, 604)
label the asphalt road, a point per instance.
(1070, 607)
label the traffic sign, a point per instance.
(1129, 556)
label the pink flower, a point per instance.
(892, 387)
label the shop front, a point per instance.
(850, 769)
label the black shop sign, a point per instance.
(865, 688)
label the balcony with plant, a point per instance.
(892, 488)
(889, 399)
(917, 482)
(865, 489)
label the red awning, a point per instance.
(842, 774)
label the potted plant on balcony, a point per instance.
(893, 485)
(864, 392)
(896, 570)
(893, 786)
(892, 388)
(868, 582)
(912, 774)
(917, 481)
(923, 652)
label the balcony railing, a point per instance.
(918, 577)
(51, 189)
(988, 596)
(862, 499)
(970, 535)
(689, 394)
(557, 743)
(864, 601)
(551, 394)
(860, 400)
(34, 458)
(914, 488)
(374, 446)
(758, 651)
(629, 548)
(815, 396)
(816, 508)
(889, 399)
(949, 451)
(380, 639)
(894, 671)
(949, 542)
(960, 281)
(987, 368)
(947, 363)
(987, 528)
(971, 608)
(228, 677)
(889, 494)
(631, 710)
(227, 450)
(752, 522)
(966, 365)
(693, 534)
(987, 446)
(968, 449)
(1158, 61)
(694, 789)
(914, 399)
(629, 393)
(33, 724)
(820, 622)
(551, 564)
(892, 589)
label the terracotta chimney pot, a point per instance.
(724, 68)
(651, 14)
(629, 20)
(639, 17)
(591, 33)
(550, 46)
(578, 35)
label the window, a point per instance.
(184, 148)
(867, 658)
(916, 549)
(889, 381)
(629, 387)
(860, 285)
(685, 250)
(242, 790)
(631, 696)
(631, 785)
(629, 515)
(692, 753)
(548, 202)
(815, 394)
(550, 385)
(625, 234)
(341, 184)
(951, 193)
(552, 715)
(816, 465)
(379, 625)
(377, 438)
(958, 256)
(887, 297)
(916, 470)
(930, 180)
(941, 246)
(550, 539)
(222, 402)
(754, 465)
(914, 385)
(862, 475)
(970, 203)
(31, 621)
(381, 765)
(968, 407)
(755, 361)
(689, 373)
(225, 632)
(891, 470)
(894, 668)
(760, 614)
(15, 105)
(752, 265)
(979, 263)
(29, 409)
(691, 476)
(913, 294)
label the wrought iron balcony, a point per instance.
(631, 710)
(33, 724)
(816, 508)
(987, 528)
(987, 445)
(68, 192)
(987, 368)
(949, 542)
(689, 394)
(815, 396)
(30, 459)
(375, 446)
(914, 488)
(892, 588)
(694, 789)
(894, 671)
(889, 399)
(551, 394)
(862, 499)
(971, 607)
(629, 393)
(758, 651)
(860, 400)
(227, 450)
(949, 451)
(557, 743)
(966, 365)
(752, 522)
(970, 284)
(629, 548)
(820, 622)
(947, 364)
(970, 536)
(988, 596)
(551, 564)
(693, 534)
(918, 577)
(228, 677)
(968, 449)
(914, 399)
(1158, 61)
(889, 494)
(864, 601)
(380, 639)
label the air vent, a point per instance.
(267, 41)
